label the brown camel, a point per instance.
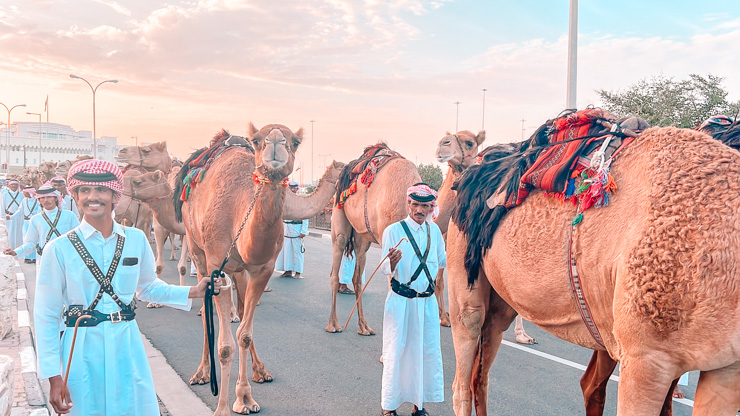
(63, 167)
(151, 157)
(48, 170)
(227, 197)
(380, 205)
(459, 151)
(658, 273)
(33, 177)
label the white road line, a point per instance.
(20, 276)
(23, 319)
(28, 360)
(327, 236)
(22, 294)
(577, 366)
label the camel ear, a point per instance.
(447, 133)
(158, 175)
(481, 137)
(251, 130)
(162, 145)
(299, 133)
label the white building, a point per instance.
(32, 143)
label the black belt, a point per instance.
(75, 311)
(293, 222)
(407, 292)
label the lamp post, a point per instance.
(483, 120)
(325, 159)
(7, 136)
(95, 144)
(457, 113)
(38, 114)
(137, 140)
(312, 121)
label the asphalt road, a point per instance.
(317, 373)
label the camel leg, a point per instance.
(521, 336)
(182, 265)
(203, 373)
(439, 283)
(245, 403)
(361, 247)
(226, 347)
(340, 232)
(717, 393)
(644, 382)
(594, 380)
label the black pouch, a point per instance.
(130, 261)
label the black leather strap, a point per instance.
(30, 209)
(75, 311)
(404, 289)
(104, 281)
(14, 200)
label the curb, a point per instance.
(31, 382)
(320, 235)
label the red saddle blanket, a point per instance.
(364, 168)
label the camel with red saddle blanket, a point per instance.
(371, 195)
(649, 278)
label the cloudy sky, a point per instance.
(363, 70)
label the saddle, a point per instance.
(373, 159)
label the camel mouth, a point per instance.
(444, 158)
(274, 164)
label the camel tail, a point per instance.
(349, 249)
(179, 186)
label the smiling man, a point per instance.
(412, 354)
(98, 269)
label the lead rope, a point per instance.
(71, 351)
(210, 293)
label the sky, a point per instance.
(364, 71)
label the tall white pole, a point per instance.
(312, 121)
(483, 120)
(94, 90)
(457, 113)
(572, 55)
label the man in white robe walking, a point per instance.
(30, 207)
(291, 256)
(60, 184)
(45, 226)
(10, 209)
(412, 353)
(97, 269)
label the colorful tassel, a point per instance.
(577, 220)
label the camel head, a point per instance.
(47, 168)
(459, 150)
(275, 146)
(150, 185)
(151, 157)
(63, 167)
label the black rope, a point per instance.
(210, 326)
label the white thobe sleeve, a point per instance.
(47, 311)
(18, 213)
(152, 289)
(385, 266)
(304, 227)
(441, 252)
(30, 240)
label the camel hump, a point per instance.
(373, 159)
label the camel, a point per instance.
(658, 273)
(459, 151)
(48, 170)
(380, 205)
(241, 191)
(33, 177)
(151, 157)
(63, 167)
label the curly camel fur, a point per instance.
(659, 272)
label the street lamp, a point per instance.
(457, 113)
(38, 114)
(483, 122)
(7, 136)
(95, 144)
(137, 140)
(312, 121)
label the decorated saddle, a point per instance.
(363, 169)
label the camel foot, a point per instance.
(444, 319)
(365, 330)
(333, 328)
(201, 376)
(151, 305)
(235, 317)
(525, 339)
(246, 408)
(261, 375)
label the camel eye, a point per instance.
(256, 142)
(296, 143)
(470, 144)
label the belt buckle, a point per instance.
(116, 317)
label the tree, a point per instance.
(663, 101)
(431, 175)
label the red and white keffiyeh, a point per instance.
(95, 172)
(424, 193)
(48, 190)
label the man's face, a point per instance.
(60, 186)
(95, 201)
(26, 194)
(293, 189)
(13, 186)
(48, 202)
(419, 210)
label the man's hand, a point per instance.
(199, 290)
(7, 217)
(60, 404)
(394, 256)
(9, 252)
(301, 235)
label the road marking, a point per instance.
(20, 276)
(28, 360)
(572, 364)
(22, 294)
(23, 319)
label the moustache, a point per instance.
(94, 202)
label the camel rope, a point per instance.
(368, 282)
(71, 351)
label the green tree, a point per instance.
(431, 175)
(664, 101)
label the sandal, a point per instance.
(422, 412)
(346, 291)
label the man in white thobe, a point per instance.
(291, 256)
(346, 273)
(10, 209)
(30, 207)
(109, 373)
(45, 226)
(412, 354)
(60, 184)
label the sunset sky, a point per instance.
(363, 70)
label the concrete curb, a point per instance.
(31, 382)
(320, 235)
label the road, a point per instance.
(317, 373)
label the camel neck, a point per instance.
(446, 199)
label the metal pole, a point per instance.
(95, 144)
(7, 136)
(38, 114)
(572, 55)
(483, 122)
(523, 120)
(457, 113)
(312, 121)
